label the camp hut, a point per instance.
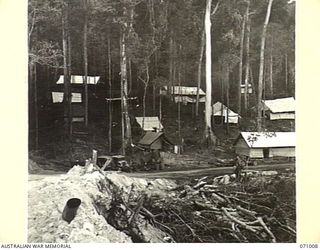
(280, 109)
(266, 144)
(221, 114)
(151, 123)
(77, 109)
(154, 140)
(183, 94)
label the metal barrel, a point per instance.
(70, 209)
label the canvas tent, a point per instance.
(150, 123)
(266, 144)
(220, 110)
(78, 79)
(280, 109)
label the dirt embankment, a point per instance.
(99, 215)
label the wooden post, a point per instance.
(94, 157)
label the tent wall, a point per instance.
(282, 116)
(284, 152)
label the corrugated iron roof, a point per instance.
(78, 79)
(150, 123)
(269, 139)
(57, 97)
(280, 105)
(183, 90)
(150, 137)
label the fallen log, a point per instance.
(273, 239)
(241, 223)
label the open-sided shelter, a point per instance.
(280, 109)
(266, 144)
(222, 112)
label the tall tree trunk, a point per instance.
(286, 72)
(264, 90)
(202, 44)
(130, 75)
(66, 98)
(179, 101)
(171, 65)
(126, 127)
(227, 78)
(110, 92)
(260, 82)
(155, 87)
(85, 60)
(246, 81)
(208, 133)
(221, 78)
(123, 78)
(146, 83)
(271, 70)
(69, 81)
(174, 67)
(240, 63)
(36, 113)
(144, 103)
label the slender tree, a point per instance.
(260, 82)
(247, 66)
(67, 94)
(271, 68)
(110, 92)
(202, 44)
(243, 24)
(85, 60)
(208, 133)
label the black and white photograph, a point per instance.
(161, 121)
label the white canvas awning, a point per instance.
(150, 123)
(57, 97)
(269, 139)
(217, 111)
(78, 79)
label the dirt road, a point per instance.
(194, 173)
(177, 174)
